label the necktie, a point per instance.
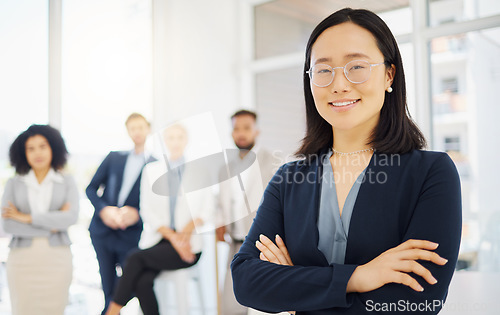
(174, 183)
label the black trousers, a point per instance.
(111, 251)
(141, 269)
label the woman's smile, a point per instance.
(343, 105)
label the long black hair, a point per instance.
(396, 132)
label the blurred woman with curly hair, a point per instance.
(38, 205)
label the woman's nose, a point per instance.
(340, 82)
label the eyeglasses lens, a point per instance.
(355, 71)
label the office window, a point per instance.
(465, 124)
(450, 67)
(284, 26)
(452, 144)
(449, 85)
(106, 72)
(24, 70)
(406, 50)
(449, 11)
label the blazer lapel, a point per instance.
(120, 166)
(117, 171)
(303, 239)
(361, 205)
(21, 197)
(372, 205)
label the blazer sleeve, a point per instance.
(15, 227)
(60, 220)
(437, 217)
(100, 178)
(274, 288)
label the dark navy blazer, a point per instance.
(110, 175)
(409, 196)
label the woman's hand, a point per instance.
(179, 242)
(219, 233)
(65, 207)
(185, 234)
(11, 212)
(188, 229)
(272, 253)
(182, 246)
(393, 266)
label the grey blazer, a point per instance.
(53, 224)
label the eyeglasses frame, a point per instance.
(309, 72)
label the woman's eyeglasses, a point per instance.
(356, 71)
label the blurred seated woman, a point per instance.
(169, 240)
(39, 204)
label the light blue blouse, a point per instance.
(333, 229)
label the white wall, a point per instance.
(200, 63)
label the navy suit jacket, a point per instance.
(409, 196)
(110, 175)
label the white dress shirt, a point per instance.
(189, 205)
(240, 196)
(133, 168)
(239, 227)
(40, 194)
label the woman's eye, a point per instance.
(323, 71)
(357, 67)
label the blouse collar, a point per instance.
(52, 176)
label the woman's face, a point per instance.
(176, 140)
(346, 105)
(38, 152)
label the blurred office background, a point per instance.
(85, 65)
